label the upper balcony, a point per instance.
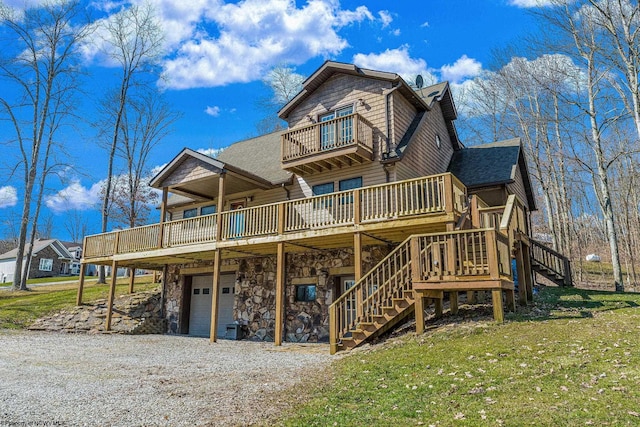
(385, 213)
(334, 143)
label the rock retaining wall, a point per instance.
(139, 313)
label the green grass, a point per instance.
(18, 309)
(572, 359)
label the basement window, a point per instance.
(305, 293)
(46, 264)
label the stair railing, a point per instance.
(553, 261)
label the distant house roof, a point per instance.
(492, 164)
(39, 245)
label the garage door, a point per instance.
(200, 315)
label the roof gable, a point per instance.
(492, 164)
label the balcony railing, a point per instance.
(427, 195)
(332, 135)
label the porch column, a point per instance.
(112, 292)
(132, 279)
(220, 205)
(213, 332)
(280, 279)
(80, 284)
(163, 216)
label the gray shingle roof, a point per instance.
(486, 164)
(39, 245)
(260, 156)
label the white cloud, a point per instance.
(531, 3)
(8, 196)
(213, 43)
(425, 24)
(462, 69)
(75, 197)
(396, 61)
(212, 111)
(385, 17)
(396, 32)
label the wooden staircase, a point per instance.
(441, 262)
(550, 264)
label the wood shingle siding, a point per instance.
(422, 157)
(190, 170)
(343, 90)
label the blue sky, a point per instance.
(218, 52)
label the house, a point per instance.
(367, 208)
(49, 258)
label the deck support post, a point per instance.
(132, 279)
(112, 293)
(528, 271)
(471, 297)
(419, 311)
(498, 311)
(213, 331)
(453, 302)
(510, 298)
(83, 266)
(523, 283)
(357, 258)
(280, 279)
(438, 307)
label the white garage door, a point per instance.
(200, 315)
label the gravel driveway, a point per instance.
(150, 380)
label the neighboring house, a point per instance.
(340, 226)
(49, 258)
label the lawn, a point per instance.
(18, 309)
(571, 359)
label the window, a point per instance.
(349, 184)
(336, 133)
(306, 293)
(208, 210)
(190, 213)
(322, 189)
(319, 190)
(46, 264)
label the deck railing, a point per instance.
(427, 195)
(345, 131)
(451, 256)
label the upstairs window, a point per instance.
(322, 189)
(349, 184)
(336, 133)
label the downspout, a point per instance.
(387, 115)
(286, 190)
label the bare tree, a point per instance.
(134, 42)
(76, 226)
(284, 83)
(41, 66)
(146, 121)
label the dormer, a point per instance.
(340, 118)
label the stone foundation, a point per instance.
(254, 303)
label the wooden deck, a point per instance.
(386, 213)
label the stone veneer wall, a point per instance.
(254, 303)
